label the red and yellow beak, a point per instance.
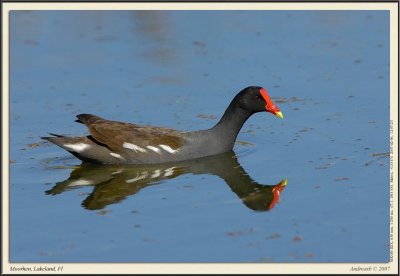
(276, 191)
(270, 107)
(279, 115)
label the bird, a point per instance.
(113, 184)
(114, 142)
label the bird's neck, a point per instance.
(231, 122)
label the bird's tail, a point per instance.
(61, 140)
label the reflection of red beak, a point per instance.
(270, 107)
(276, 191)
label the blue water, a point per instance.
(328, 71)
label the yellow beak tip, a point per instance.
(279, 115)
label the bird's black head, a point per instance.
(256, 99)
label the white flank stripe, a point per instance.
(77, 147)
(137, 178)
(154, 149)
(133, 147)
(80, 182)
(156, 173)
(117, 172)
(168, 148)
(116, 155)
(169, 171)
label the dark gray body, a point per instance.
(112, 142)
(195, 144)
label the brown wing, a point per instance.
(114, 134)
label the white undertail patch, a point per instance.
(153, 149)
(79, 147)
(168, 148)
(116, 155)
(133, 147)
(80, 182)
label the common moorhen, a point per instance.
(112, 142)
(113, 184)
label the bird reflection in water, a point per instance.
(112, 184)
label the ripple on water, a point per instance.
(66, 162)
(244, 148)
